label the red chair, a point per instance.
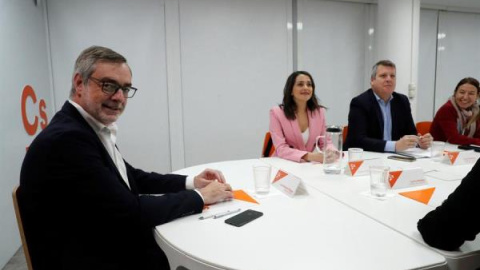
(423, 127)
(268, 147)
(345, 132)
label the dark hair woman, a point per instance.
(298, 121)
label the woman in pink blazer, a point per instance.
(296, 123)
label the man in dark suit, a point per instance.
(380, 119)
(83, 206)
(456, 220)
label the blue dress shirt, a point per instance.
(387, 122)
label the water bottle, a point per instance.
(331, 147)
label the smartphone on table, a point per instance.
(243, 218)
(402, 158)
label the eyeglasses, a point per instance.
(111, 88)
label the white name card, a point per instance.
(289, 184)
(410, 177)
(460, 157)
(360, 167)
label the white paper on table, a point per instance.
(222, 207)
(417, 152)
(445, 176)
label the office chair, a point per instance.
(345, 132)
(423, 127)
(268, 147)
(18, 214)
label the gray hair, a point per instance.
(87, 60)
(385, 63)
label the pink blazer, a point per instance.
(287, 137)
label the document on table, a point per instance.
(416, 152)
(445, 176)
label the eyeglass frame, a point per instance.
(102, 82)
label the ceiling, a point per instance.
(452, 4)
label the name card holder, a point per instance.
(289, 184)
(460, 157)
(360, 167)
(410, 177)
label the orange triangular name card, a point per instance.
(360, 167)
(460, 158)
(409, 177)
(243, 196)
(423, 195)
(280, 174)
(289, 184)
(393, 177)
(354, 165)
(452, 156)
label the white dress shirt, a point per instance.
(108, 136)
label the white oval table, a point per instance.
(399, 213)
(313, 231)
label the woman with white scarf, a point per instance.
(457, 121)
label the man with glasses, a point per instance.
(84, 206)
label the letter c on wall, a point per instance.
(28, 93)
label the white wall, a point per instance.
(235, 60)
(135, 29)
(336, 52)
(458, 53)
(219, 53)
(397, 40)
(427, 65)
(23, 61)
(448, 52)
(232, 54)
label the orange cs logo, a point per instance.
(31, 127)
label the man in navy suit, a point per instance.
(380, 119)
(83, 205)
(455, 221)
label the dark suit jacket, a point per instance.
(365, 121)
(80, 214)
(456, 220)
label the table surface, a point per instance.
(397, 212)
(319, 230)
